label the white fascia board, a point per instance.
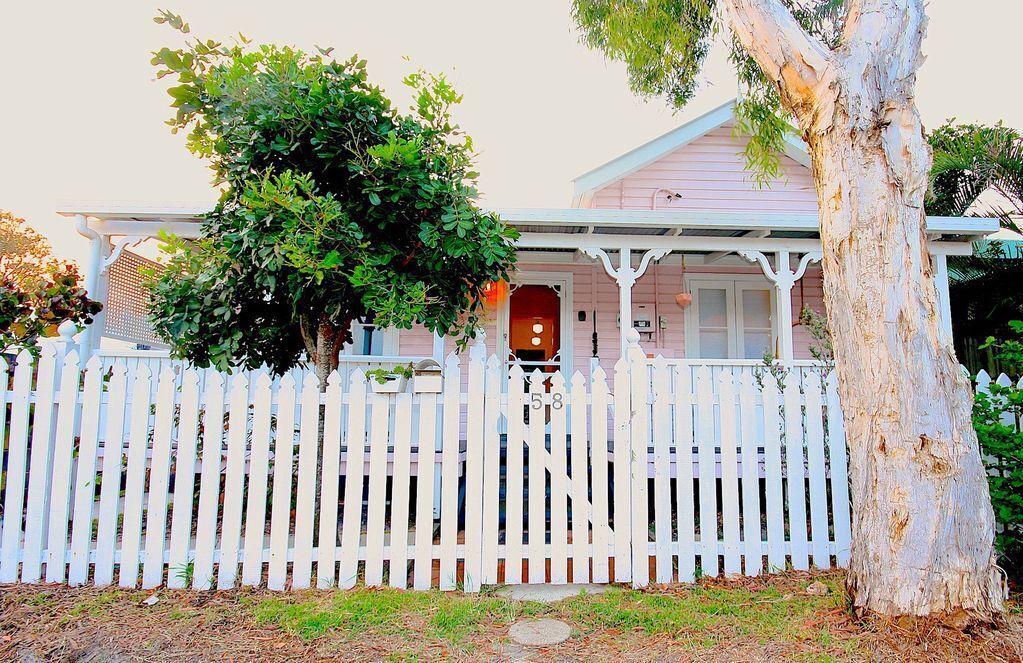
(147, 211)
(693, 243)
(695, 219)
(649, 152)
(660, 218)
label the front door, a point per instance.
(534, 328)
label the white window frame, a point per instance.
(389, 347)
(733, 284)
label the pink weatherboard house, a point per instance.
(617, 398)
(673, 239)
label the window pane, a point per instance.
(756, 308)
(755, 344)
(713, 344)
(712, 307)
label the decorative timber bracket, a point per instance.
(626, 276)
(783, 278)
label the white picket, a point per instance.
(17, 465)
(491, 472)
(280, 510)
(184, 482)
(839, 473)
(40, 462)
(559, 481)
(377, 503)
(684, 486)
(774, 502)
(664, 562)
(60, 479)
(305, 504)
(159, 481)
(796, 473)
(729, 474)
(515, 475)
(259, 466)
(640, 444)
(622, 499)
(815, 464)
(751, 531)
(326, 557)
(707, 473)
(135, 472)
(537, 482)
(581, 508)
(85, 477)
(473, 565)
(449, 473)
(234, 482)
(355, 440)
(209, 482)
(109, 493)
(422, 575)
(602, 534)
(400, 482)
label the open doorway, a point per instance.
(534, 327)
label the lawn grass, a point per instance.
(772, 618)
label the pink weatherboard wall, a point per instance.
(709, 173)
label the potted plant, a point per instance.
(427, 378)
(389, 380)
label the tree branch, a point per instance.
(794, 60)
(886, 33)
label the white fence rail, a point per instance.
(183, 479)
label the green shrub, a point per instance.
(996, 417)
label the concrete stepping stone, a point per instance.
(548, 593)
(539, 632)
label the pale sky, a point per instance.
(83, 118)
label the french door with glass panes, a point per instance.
(730, 319)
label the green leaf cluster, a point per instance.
(664, 44)
(997, 418)
(336, 207)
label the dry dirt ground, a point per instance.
(743, 620)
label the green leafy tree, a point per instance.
(978, 170)
(37, 291)
(997, 416)
(843, 73)
(971, 160)
(336, 207)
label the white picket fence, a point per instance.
(161, 479)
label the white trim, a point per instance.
(563, 280)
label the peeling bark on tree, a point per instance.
(923, 527)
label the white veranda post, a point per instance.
(626, 276)
(783, 278)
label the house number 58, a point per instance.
(557, 401)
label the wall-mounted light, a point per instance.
(535, 340)
(537, 328)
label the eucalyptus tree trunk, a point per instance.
(923, 527)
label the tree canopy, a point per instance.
(335, 207)
(971, 160)
(664, 44)
(37, 291)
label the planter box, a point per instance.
(428, 383)
(393, 386)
